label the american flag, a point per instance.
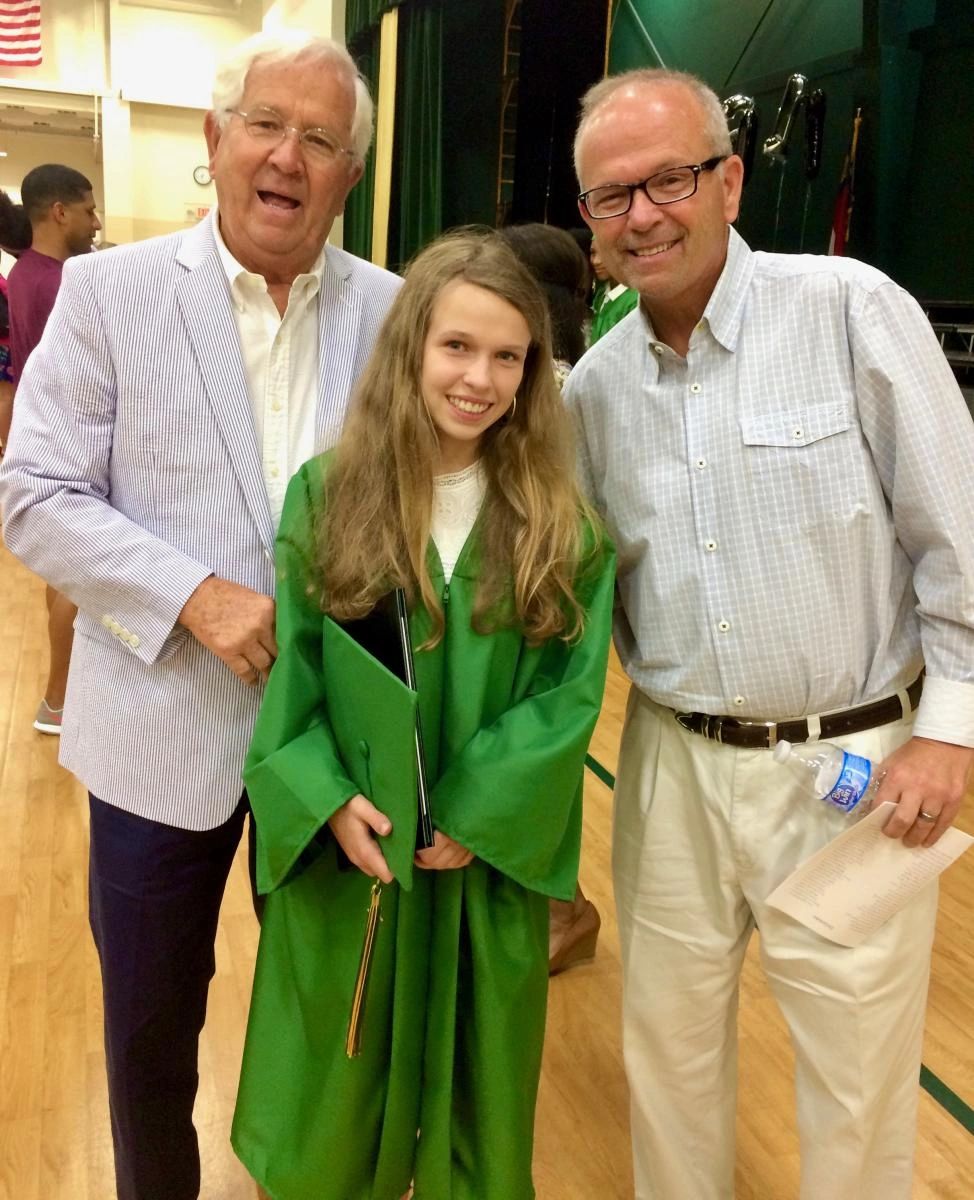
(846, 198)
(20, 33)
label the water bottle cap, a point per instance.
(782, 751)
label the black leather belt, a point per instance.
(754, 735)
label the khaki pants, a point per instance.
(702, 835)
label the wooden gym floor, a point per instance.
(54, 1135)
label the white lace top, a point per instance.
(456, 502)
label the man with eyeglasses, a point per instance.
(782, 457)
(179, 384)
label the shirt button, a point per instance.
(738, 700)
(701, 464)
(275, 471)
(134, 641)
(658, 351)
(710, 545)
(723, 626)
(798, 433)
(276, 406)
(695, 388)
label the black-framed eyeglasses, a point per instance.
(665, 187)
(266, 125)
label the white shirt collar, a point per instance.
(239, 277)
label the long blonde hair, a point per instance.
(379, 488)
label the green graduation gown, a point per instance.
(444, 1089)
(610, 305)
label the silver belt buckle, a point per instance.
(770, 726)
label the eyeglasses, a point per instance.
(265, 125)
(665, 187)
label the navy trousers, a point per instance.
(154, 898)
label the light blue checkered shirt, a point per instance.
(792, 503)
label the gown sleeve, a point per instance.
(513, 796)
(293, 774)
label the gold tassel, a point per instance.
(353, 1040)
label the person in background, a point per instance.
(60, 206)
(555, 260)
(581, 235)
(782, 454)
(454, 479)
(179, 384)
(611, 301)
(15, 237)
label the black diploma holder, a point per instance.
(372, 705)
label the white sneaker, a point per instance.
(48, 720)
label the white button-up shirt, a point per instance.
(280, 358)
(791, 502)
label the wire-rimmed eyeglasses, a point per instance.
(665, 187)
(266, 125)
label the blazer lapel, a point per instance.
(339, 329)
(204, 302)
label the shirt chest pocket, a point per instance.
(795, 429)
(811, 457)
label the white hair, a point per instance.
(715, 122)
(289, 46)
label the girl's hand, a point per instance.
(355, 825)
(444, 855)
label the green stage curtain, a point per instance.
(417, 169)
(358, 207)
(361, 16)
(416, 210)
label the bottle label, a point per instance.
(851, 785)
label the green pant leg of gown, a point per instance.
(478, 1107)
(310, 1123)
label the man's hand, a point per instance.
(236, 624)
(354, 826)
(444, 855)
(926, 780)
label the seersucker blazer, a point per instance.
(133, 472)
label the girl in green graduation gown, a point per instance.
(453, 479)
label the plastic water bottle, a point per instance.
(829, 773)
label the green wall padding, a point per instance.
(724, 39)
(907, 63)
(808, 30)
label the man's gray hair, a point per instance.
(289, 46)
(715, 123)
